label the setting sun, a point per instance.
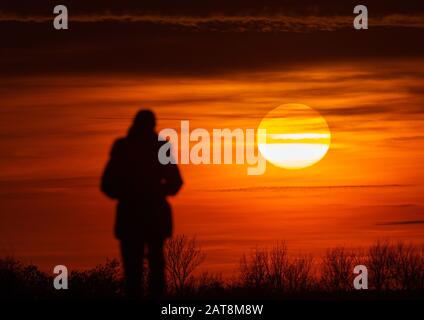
(296, 136)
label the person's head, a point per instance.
(144, 122)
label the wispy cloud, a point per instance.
(401, 222)
(277, 188)
(233, 23)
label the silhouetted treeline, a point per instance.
(272, 272)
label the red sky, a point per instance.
(368, 186)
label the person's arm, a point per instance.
(110, 180)
(172, 181)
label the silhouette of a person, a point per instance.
(135, 177)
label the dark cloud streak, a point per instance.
(329, 187)
(139, 49)
(401, 222)
(169, 44)
(208, 7)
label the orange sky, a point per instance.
(55, 135)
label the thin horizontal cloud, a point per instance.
(356, 110)
(402, 205)
(142, 49)
(277, 188)
(406, 138)
(206, 7)
(401, 222)
(40, 183)
(37, 187)
(234, 23)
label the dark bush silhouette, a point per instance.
(183, 257)
(395, 266)
(209, 284)
(274, 270)
(299, 277)
(380, 260)
(254, 270)
(103, 281)
(392, 267)
(408, 267)
(23, 281)
(336, 270)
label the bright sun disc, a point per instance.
(296, 136)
